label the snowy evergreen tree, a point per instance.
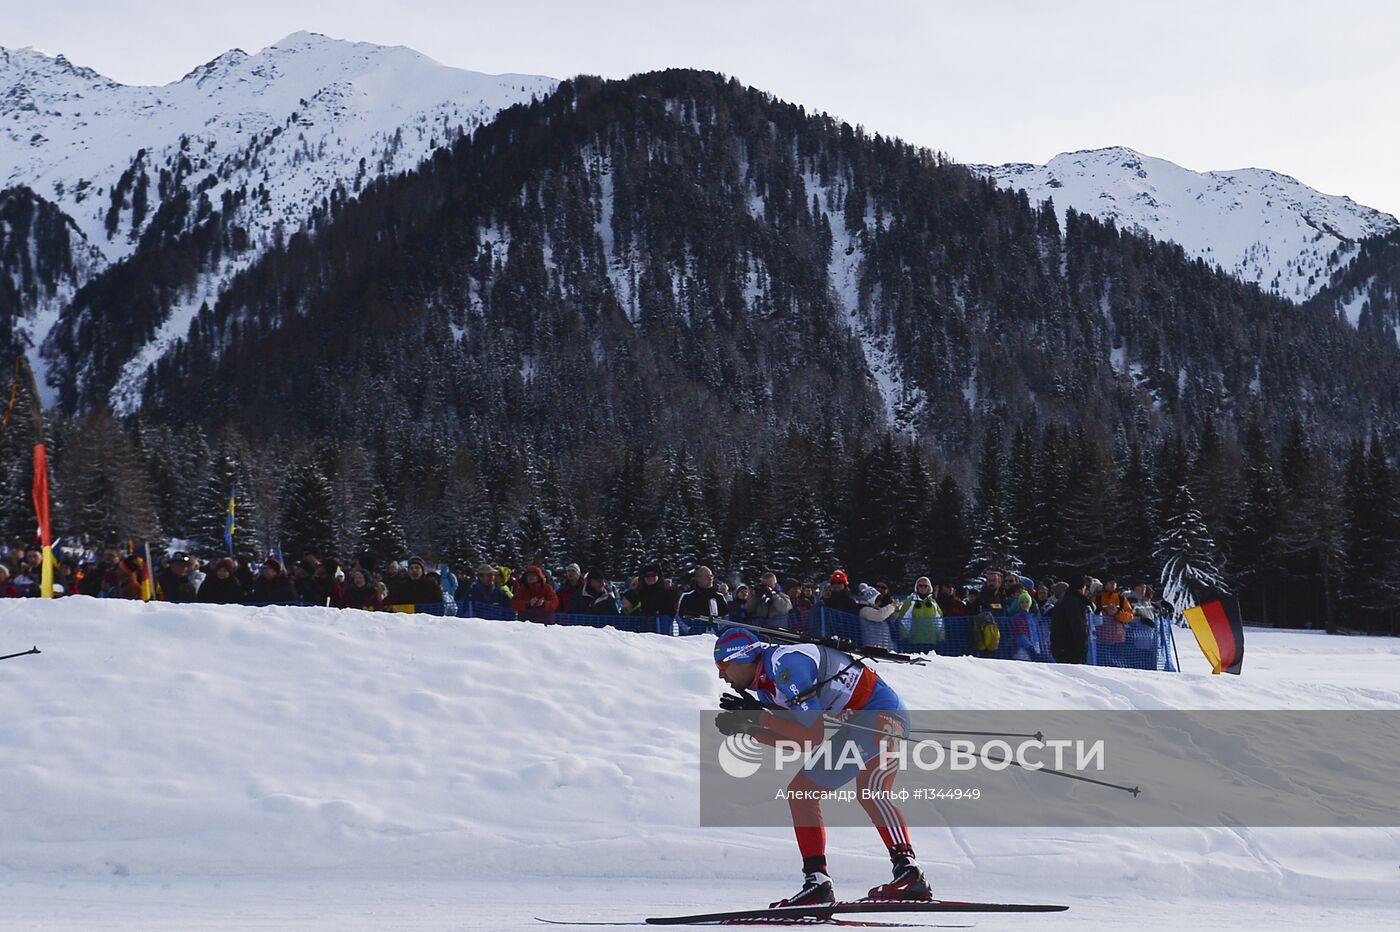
(307, 512)
(994, 530)
(750, 558)
(537, 537)
(1090, 541)
(106, 490)
(1187, 554)
(632, 556)
(380, 532)
(950, 551)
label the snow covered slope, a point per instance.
(293, 127)
(1258, 225)
(285, 768)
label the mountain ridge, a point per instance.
(1258, 224)
(284, 131)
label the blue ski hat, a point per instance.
(737, 645)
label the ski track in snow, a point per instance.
(176, 767)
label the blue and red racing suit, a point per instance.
(807, 682)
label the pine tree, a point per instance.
(950, 551)
(1022, 498)
(1136, 527)
(994, 532)
(105, 489)
(632, 556)
(1254, 538)
(1309, 531)
(380, 532)
(1090, 543)
(537, 536)
(307, 512)
(750, 558)
(1187, 555)
(878, 501)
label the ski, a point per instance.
(798, 921)
(830, 910)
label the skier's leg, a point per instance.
(807, 824)
(876, 780)
(875, 784)
(805, 805)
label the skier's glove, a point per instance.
(736, 722)
(737, 701)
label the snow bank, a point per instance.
(168, 742)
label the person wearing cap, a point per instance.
(174, 579)
(837, 594)
(650, 599)
(738, 606)
(570, 587)
(921, 617)
(877, 608)
(596, 598)
(272, 587)
(484, 599)
(797, 685)
(421, 589)
(360, 590)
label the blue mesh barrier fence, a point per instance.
(1022, 636)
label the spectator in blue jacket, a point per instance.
(484, 599)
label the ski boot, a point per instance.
(909, 882)
(816, 891)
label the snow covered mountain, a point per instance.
(266, 139)
(1256, 224)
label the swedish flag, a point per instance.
(229, 525)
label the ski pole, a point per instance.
(1135, 790)
(1039, 736)
(23, 653)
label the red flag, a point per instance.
(41, 493)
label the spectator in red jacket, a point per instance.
(535, 599)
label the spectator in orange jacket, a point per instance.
(535, 599)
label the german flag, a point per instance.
(1220, 634)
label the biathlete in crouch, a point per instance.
(808, 681)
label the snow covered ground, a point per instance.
(168, 767)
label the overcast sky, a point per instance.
(1310, 89)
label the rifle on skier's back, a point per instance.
(844, 645)
(23, 653)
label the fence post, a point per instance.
(1093, 657)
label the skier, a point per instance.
(811, 680)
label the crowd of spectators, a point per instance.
(915, 621)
